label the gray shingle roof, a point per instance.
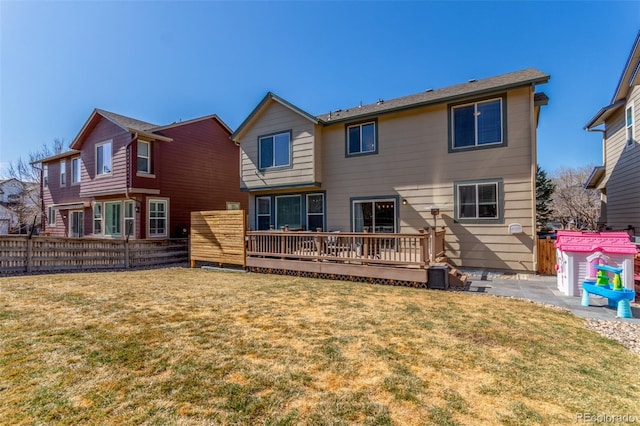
(446, 94)
(126, 122)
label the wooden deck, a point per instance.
(354, 255)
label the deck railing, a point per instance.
(416, 250)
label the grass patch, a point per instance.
(189, 346)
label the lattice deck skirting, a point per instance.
(338, 277)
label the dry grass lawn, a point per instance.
(189, 346)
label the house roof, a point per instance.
(268, 99)
(446, 94)
(125, 123)
(194, 120)
(595, 177)
(630, 77)
(62, 155)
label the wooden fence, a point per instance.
(19, 254)
(218, 236)
(546, 256)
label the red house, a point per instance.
(125, 178)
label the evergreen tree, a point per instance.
(544, 192)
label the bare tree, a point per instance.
(28, 172)
(574, 205)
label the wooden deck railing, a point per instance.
(416, 250)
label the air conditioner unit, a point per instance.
(438, 277)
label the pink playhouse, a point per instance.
(577, 252)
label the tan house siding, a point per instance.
(622, 168)
(278, 118)
(414, 163)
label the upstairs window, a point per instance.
(477, 124)
(63, 172)
(275, 150)
(144, 157)
(75, 170)
(103, 159)
(45, 175)
(361, 138)
(629, 125)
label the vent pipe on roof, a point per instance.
(473, 80)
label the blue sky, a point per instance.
(165, 61)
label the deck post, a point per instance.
(424, 249)
(365, 244)
(432, 245)
(29, 254)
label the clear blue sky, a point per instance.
(165, 61)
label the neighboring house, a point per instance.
(468, 149)
(128, 178)
(23, 200)
(8, 220)
(618, 179)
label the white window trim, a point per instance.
(104, 219)
(147, 157)
(94, 219)
(476, 114)
(51, 216)
(71, 213)
(167, 217)
(110, 143)
(632, 126)
(76, 173)
(45, 175)
(130, 218)
(63, 173)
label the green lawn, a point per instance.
(188, 346)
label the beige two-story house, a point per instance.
(468, 149)
(618, 179)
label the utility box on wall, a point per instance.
(438, 277)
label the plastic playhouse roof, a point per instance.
(591, 242)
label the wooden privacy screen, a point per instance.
(218, 236)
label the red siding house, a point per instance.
(125, 178)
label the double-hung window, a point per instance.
(315, 211)
(97, 218)
(144, 157)
(63, 172)
(158, 216)
(75, 170)
(51, 216)
(629, 124)
(45, 175)
(362, 138)
(129, 218)
(263, 213)
(478, 201)
(477, 124)
(103, 158)
(275, 150)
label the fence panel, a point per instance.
(546, 257)
(218, 236)
(19, 254)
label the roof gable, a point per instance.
(630, 77)
(262, 106)
(127, 124)
(195, 120)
